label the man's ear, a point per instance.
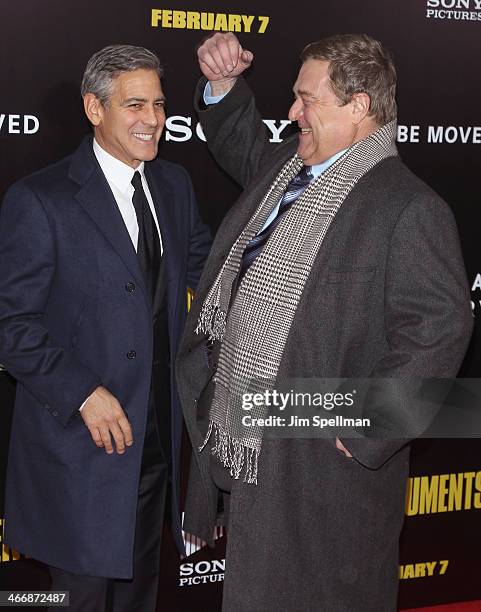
(361, 104)
(93, 109)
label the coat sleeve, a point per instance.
(27, 270)
(427, 313)
(235, 133)
(200, 240)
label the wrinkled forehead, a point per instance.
(313, 76)
(134, 83)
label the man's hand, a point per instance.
(222, 60)
(104, 417)
(340, 446)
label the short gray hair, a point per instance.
(106, 65)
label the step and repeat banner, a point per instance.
(436, 45)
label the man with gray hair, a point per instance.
(336, 262)
(96, 254)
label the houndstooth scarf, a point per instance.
(253, 329)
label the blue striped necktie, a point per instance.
(255, 246)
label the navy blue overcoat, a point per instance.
(68, 321)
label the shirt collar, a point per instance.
(318, 169)
(116, 171)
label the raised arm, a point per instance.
(233, 127)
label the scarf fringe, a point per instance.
(233, 454)
(212, 321)
(207, 436)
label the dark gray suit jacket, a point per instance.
(387, 297)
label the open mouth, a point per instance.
(144, 137)
(305, 130)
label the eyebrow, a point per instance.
(305, 93)
(134, 99)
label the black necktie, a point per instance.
(255, 246)
(148, 246)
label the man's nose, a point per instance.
(150, 116)
(296, 110)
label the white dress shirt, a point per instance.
(119, 177)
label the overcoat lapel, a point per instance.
(96, 198)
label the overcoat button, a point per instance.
(130, 287)
(131, 355)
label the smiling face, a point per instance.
(325, 127)
(130, 125)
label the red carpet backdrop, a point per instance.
(436, 45)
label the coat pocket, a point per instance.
(351, 275)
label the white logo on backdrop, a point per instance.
(458, 10)
(201, 572)
(180, 128)
(19, 124)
